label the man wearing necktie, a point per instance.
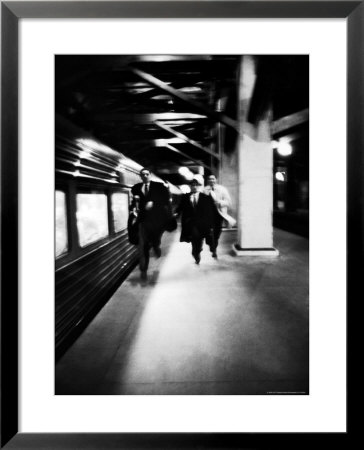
(220, 196)
(150, 203)
(197, 211)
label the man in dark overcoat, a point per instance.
(198, 213)
(150, 203)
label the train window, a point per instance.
(92, 222)
(120, 210)
(61, 224)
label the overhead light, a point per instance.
(280, 176)
(89, 145)
(185, 172)
(185, 188)
(284, 148)
(200, 179)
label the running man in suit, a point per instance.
(151, 201)
(198, 212)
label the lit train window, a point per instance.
(120, 210)
(92, 222)
(61, 224)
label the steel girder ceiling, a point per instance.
(163, 110)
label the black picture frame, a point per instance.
(11, 12)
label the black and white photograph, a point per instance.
(181, 224)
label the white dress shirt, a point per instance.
(194, 198)
(146, 188)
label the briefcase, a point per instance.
(171, 224)
(133, 229)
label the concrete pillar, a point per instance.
(228, 174)
(255, 171)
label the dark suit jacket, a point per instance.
(200, 217)
(156, 217)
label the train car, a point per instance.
(93, 254)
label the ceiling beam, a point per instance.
(187, 139)
(163, 142)
(160, 142)
(170, 147)
(171, 58)
(218, 117)
(223, 98)
(284, 123)
(185, 82)
(187, 126)
(147, 118)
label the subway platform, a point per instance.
(236, 325)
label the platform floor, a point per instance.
(238, 325)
